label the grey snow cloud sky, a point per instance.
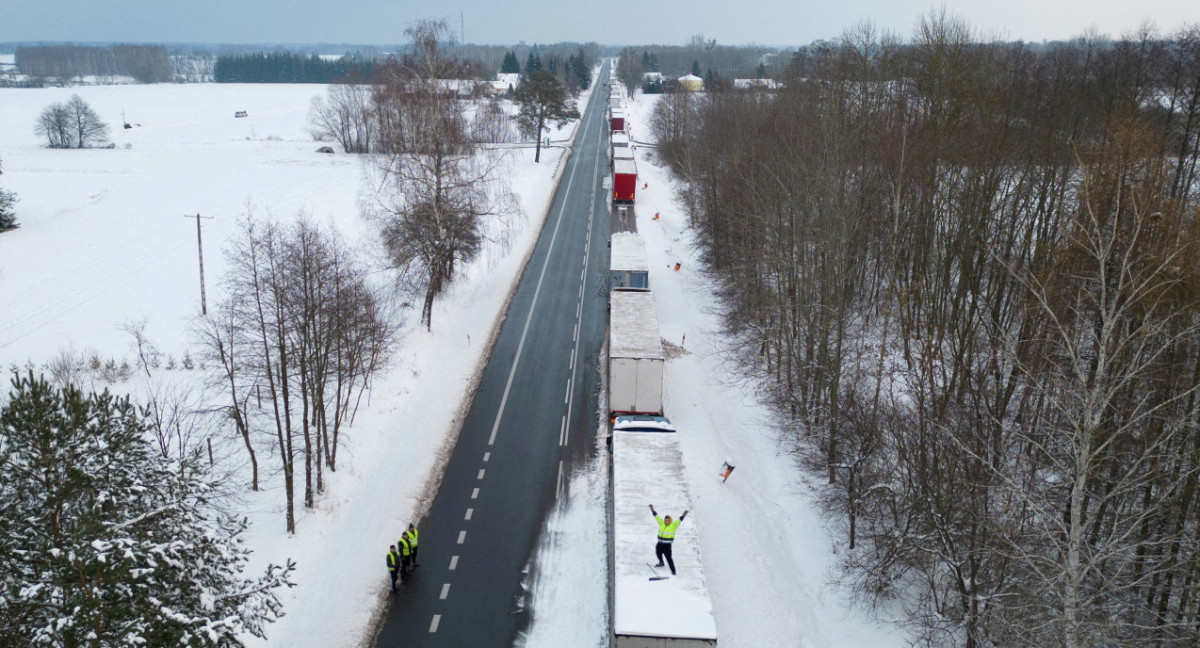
(734, 22)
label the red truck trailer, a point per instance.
(624, 181)
(618, 120)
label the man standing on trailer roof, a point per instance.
(666, 536)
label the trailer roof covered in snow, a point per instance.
(622, 165)
(648, 469)
(628, 252)
(633, 332)
(619, 139)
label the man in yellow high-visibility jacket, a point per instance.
(393, 563)
(412, 542)
(405, 557)
(666, 536)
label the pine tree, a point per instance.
(695, 68)
(542, 100)
(511, 65)
(579, 68)
(106, 542)
(532, 64)
(8, 220)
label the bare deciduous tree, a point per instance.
(345, 117)
(71, 125)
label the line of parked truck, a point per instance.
(649, 608)
(624, 167)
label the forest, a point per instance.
(145, 63)
(286, 67)
(968, 274)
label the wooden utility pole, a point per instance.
(200, 248)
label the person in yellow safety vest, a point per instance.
(412, 541)
(666, 536)
(393, 562)
(405, 557)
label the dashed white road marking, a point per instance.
(486, 456)
(437, 618)
(445, 591)
(453, 563)
(480, 475)
(462, 537)
(475, 494)
(470, 512)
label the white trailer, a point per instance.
(628, 268)
(619, 147)
(635, 355)
(676, 612)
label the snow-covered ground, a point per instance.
(104, 243)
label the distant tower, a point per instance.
(462, 30)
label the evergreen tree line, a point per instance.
(495, 58)
(145, 63)
(969, 275)
(286, 67)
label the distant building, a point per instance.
(509, 79)
(755, 84)
(690, 83)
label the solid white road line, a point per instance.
(453, 563)
(445, 591)
(437, 618)
(462, 537)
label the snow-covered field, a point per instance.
(104, 243)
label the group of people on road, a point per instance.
(402, 557)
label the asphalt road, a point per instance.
(533, 417)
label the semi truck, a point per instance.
(628, 269)
(635, 355)
(618, 120)
(624, 181)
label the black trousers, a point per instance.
(404, 567)
(414, 556)
(392, 573)
(663, 550)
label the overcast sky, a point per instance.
(618, 22)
